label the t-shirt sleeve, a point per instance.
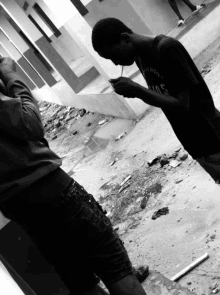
(178, 66)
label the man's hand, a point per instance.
(126, 87)
(7, 65)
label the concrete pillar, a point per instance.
(81, 32)
(27, 52)
(15, 54)
(40, 42)
(20, 71)
(40, 22)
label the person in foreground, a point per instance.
(65, 222)
(174, 84)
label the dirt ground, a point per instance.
(191, 226)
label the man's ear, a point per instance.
(125, 37)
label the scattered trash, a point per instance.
(160, 212)
(126, 179)
(177, 150)
(113, 162)
(173, 156)
(190, 267)
(154, 161)
(178, 181)
(144, 202)
(120, 136)
(82, 112)
(123, 188)
(174, 163)
(215, 289)
(211, 238)
(57, 123)
(204, 71)
(164, 161)
(183, 157)
(102, 122)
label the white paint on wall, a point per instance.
(63, 10)
(85, 2)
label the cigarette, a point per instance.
(122, 70)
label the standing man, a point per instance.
(174, 84)
(66, 223)
(193, 8)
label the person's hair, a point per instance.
(108, 31)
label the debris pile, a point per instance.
(62, 120)
(132, 195)
(174, 160)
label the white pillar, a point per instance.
(25, 51)
(40, 42)
(81, 32)
(20, 71)
(15, 54)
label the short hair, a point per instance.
(108, 31)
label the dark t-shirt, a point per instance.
(170, 70)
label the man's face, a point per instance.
(120, 54)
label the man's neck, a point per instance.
(143, 43)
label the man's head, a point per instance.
(111, 38)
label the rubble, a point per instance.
(144, 202)
(205, 70)
(82, 112)
(160, 212)
(164, 161)
(215, 289)
(174, 160)
(120, 136)
(113, 162)
(102, 122)
(184, 157)
(154, 161)
(126, 179)
(174, 163)
(178, 181)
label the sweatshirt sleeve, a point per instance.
(19, 113)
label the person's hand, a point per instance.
(7, 65)
(125, 87)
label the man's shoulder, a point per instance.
(166, 42)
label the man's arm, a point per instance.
(19, 114)
(178, 69)
(181, 101)
(129, 88)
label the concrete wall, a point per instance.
(154, 16)
(108, 104)
(64, 44)
(120, 9)
(158, 15)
